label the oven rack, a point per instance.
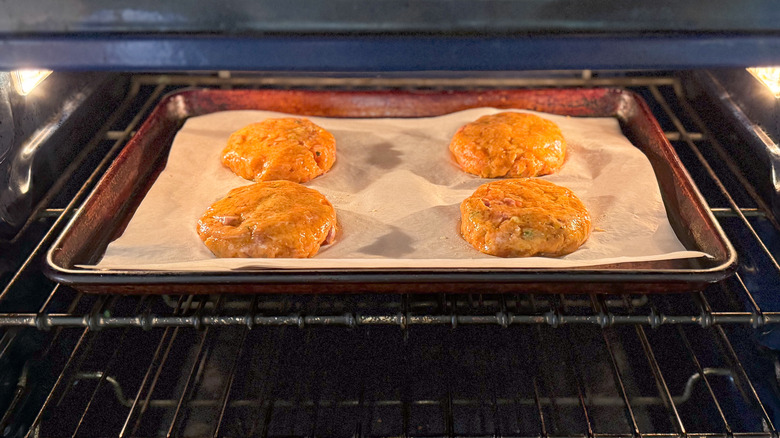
(264, 369)
(735, 204)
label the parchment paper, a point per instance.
(397, 194)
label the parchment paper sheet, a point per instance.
(397, 194)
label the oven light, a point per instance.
(26, 80)
(769, 76)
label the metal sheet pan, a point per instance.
(112, 203)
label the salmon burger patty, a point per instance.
(524, 217)
(288, 149)
(508, 144)
(269, 219)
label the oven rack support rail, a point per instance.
(667, 94)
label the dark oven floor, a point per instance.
(397, 365)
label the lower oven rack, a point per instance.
(675, 364)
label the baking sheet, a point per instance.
(397, 193)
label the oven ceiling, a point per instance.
(380, 35)
(448, 16)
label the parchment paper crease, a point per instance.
(397, 193)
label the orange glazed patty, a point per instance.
(289, 149)
(524, 217)
(509, 144)
(268, 219)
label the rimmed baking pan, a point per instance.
(112, 203)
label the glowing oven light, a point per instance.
(769, 76)
(26, 80)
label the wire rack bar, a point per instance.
(82, 192)
(729, 212)
(88, 149)
(703, 376)
(186, 393)
(58, 384)
(722, 154)
(352, 320)
(711, 172)
(157, 363)
(744, 380)
(663, 388)
(267, 388)
(102, 378)
(620, 385)
(225, 399)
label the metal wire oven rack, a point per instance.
(528, 365)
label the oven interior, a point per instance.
(468, 364)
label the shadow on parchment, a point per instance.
(394, 244)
